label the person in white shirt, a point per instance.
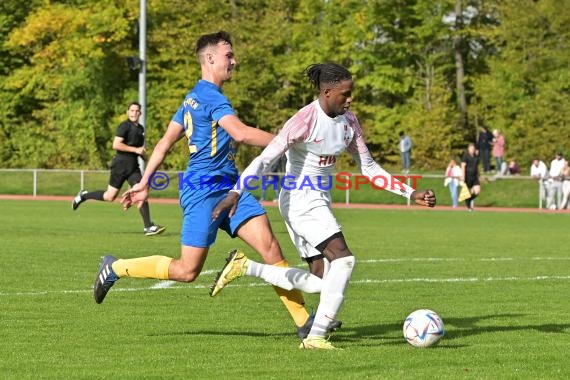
(312, 139)
(453, 175)
(565, 186)
(405, 147)
(555, 181)
(539, 171)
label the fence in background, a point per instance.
(33, 184)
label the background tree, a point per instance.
(64, 83)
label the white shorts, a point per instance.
(309, 219)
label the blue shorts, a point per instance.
(198, 228)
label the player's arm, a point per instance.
(243, 133)
(139, 192)
(295, 130)
(380, 177)
(251, 175)
(120, 146)
(173, 133)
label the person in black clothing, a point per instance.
(484, 146)
(129, 144)
(470, 167)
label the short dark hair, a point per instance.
(135, 104)
(326, 73)
(211, 40)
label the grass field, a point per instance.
(500, 281)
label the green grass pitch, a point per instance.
(500, 281)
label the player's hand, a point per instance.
(141, 151)
(424, 197)
(229, 202)
(135, 195)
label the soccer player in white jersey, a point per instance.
(312, 139)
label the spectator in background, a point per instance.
(565, 186)
(405, 146)
(498, 150)
(539, 171)
(484, 147)
(453, 175)
(514, 168)
(555, 181)
(470, 173)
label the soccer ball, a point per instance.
(423, 328)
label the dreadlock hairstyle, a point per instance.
(212, 39)
(326, 73)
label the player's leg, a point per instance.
(321, 232)
(332, 294)
(117, 178)
(150, 228)
(257, 233)
(108, 195)
(197, 234)
(185, 269)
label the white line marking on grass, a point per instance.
(460, 279)
(163, 284)
(497, 259)
(551, 258)
(180, 286)
(412, 259)
(445, 259)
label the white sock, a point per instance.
(332, 294)
(285, 277)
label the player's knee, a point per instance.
(271, 252)
(319, 272)
(188, 276)
(317, 268)
(109, 197)
(347, 261)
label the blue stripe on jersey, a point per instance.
(212, 149)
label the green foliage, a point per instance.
(64, 83)
(526, 92)
(66, 93)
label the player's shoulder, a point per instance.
(123, 127)
(305, 114)
(207, 91)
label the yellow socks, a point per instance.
(143, 267)
(293, 300)
(157, 267)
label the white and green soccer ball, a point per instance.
(423, 328)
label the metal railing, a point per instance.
(82, 175)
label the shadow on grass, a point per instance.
(455, 329)
(391, 333)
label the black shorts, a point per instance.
(124, 169)
(471, 181)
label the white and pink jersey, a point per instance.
(313, 140)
